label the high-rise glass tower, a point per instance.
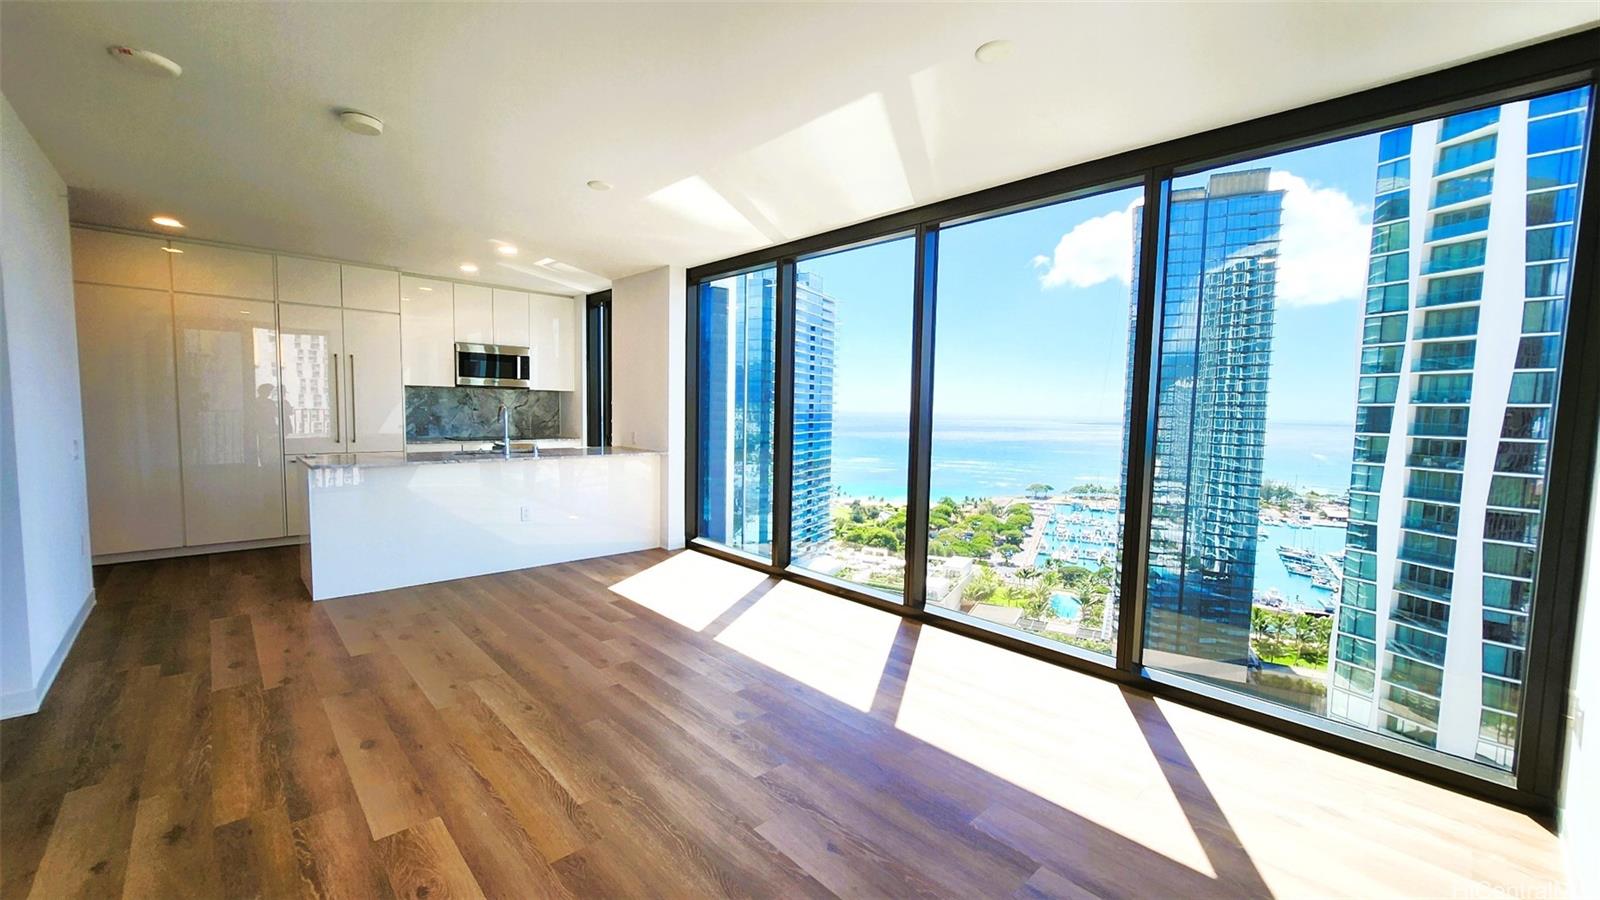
(1218, 304)
(736, 414)
(1471, 249)
(814, 327)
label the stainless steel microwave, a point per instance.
(493, 365)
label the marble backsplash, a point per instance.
(473, 413)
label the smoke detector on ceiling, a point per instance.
(147, 61)
(360, 122)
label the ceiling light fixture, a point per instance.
(470, 268)
(166, 221)
(994, 51)
(505, 249)
(147, 61)
(357, 122)
(598, 185)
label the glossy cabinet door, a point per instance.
(374, 289)
(375, 397)
(313, 281)
(222, 271)
(474, 314)
(427, 332)
(228, 419)
(106, 257)
(511, 318)
(553, 342)
(311, 357)
(130, 418)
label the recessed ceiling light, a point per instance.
(470, 268)
(166, 221)
(172, 249)
(598, 185)
(358, 122)
(505, 249)
(147, 61)
(994, 51)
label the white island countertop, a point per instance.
(379, 521)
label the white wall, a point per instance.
(647, 375)
(46, 546)
(1580, 777)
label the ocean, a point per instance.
(986, 457)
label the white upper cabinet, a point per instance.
(375, 398)
(313, 281)
(553, 342)
(130, 418)
(228, 419)
(511, 318)
(427, 332)
(310, 354)
(474, 314)
(374, 289)
(222, 272)
(105, 257)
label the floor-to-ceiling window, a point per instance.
(737, 362)
(1029, 418)
(852, 390)
(1315, 448)
(1358, 349)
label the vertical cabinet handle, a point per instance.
(352, 398)
(334, 357)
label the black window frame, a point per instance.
(1563, 63)
(597, 369)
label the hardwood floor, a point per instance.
(657, 725)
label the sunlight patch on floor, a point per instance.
(1065, 737)
(692, 589)
(836, 646)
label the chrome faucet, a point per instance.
(505, 429)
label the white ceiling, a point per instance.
(723, 127)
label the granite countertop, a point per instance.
(437, 457)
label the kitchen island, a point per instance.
(387, 520)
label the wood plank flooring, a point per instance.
(656, 725)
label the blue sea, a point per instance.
(982, 457)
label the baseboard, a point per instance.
(27, 702)
(174, 552)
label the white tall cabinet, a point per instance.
(427, 332)
(228, 418)
(130, 414)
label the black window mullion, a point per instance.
(691, 413)
(783, 417)
(1141, 427)
(925, 290)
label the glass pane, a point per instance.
(1303, 509)
(737, 334)
(852, 394)
(1030, 384)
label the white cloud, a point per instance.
(1322, 257)
(1097, 250)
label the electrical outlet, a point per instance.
(526, 514)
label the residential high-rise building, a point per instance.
(812, 461)
(1218, 303)
(1471, 248)
(737, 410)
(737, 399)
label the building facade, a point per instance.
(815, 326)
(1471, 249)
(737, 330)
(1218, 305)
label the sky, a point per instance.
(1033, 306)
